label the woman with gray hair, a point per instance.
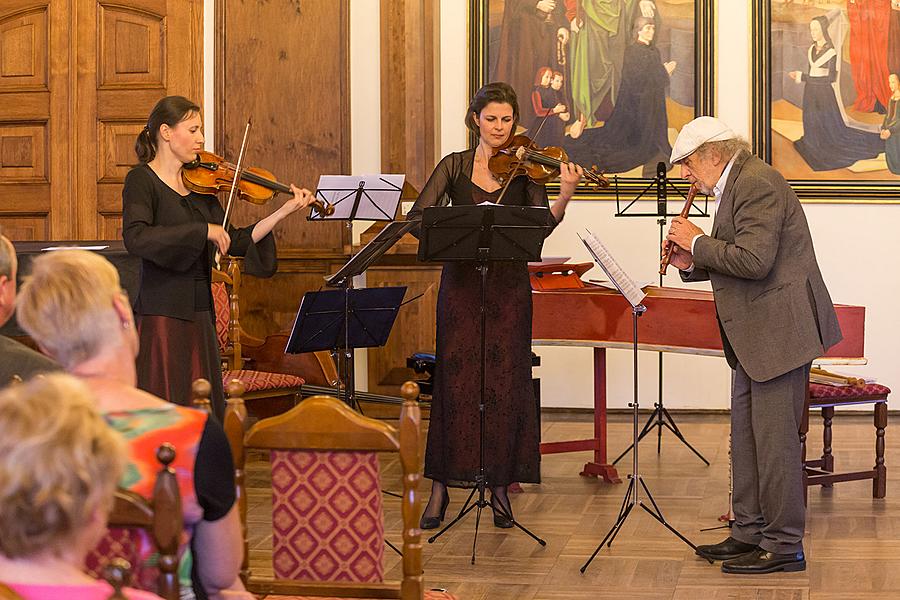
(73, 306)
(59, 466)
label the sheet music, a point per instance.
(52, 248)
(380, 195)
(616, 274)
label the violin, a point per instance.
(209, 173)
(519, 156)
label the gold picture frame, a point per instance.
(703, 69)
(830, 187)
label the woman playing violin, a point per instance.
(176, 233)
(511, 422)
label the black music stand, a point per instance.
(660, 416)
(342, 320)
(483, 234)
(363, 313)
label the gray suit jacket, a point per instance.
(774, 310)
(19, 359)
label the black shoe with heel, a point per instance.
(502, 518)
(435, 522)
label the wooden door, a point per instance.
(131, 54)
(77, 80)
(286, 65)
(33, 120)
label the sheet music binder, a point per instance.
(368, 197)
(625, 284)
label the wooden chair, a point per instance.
(200, 392)
(322, 455)
(282, 388)
(160, 517)
(827, 397)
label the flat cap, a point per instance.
(698, 132)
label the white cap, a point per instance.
(698, 132)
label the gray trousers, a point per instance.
(767, 469)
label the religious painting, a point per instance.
(610, 81)
(831, 79)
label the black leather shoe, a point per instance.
(435, 522)
(763, 561)
(726, 550)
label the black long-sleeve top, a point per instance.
(168, 232)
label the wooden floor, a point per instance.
(852, 541)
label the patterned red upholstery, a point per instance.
(261, 380)
(824, 393)
(121, 542)
(327, 519)
(222, 305)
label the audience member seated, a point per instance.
(59, 465)
(74, 308)
(15, 358)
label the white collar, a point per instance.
(719, 188)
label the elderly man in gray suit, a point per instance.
(15, 359)
(775, 316)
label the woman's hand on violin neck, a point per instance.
(302, 198)
(569, 176)
(218, 236)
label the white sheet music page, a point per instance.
(619, 277)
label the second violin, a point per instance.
(521, 157)
(209, 173)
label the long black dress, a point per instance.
(827, 142)
(637, 131)
(512, 434)
(174, 307)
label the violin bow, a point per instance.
(234, 185)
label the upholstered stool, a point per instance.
(827, 397)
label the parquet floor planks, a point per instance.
(852, 541)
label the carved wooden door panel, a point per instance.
(33, 120)
(77, 80)
(131, 54)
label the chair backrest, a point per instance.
(323, 450)
(160, 517)
(235, 425)
(226, 285)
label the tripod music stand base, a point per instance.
(660, 418)
(479, 505)
(628, 505)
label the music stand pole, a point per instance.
(483, 259)
(660, 416)
(636, 482)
